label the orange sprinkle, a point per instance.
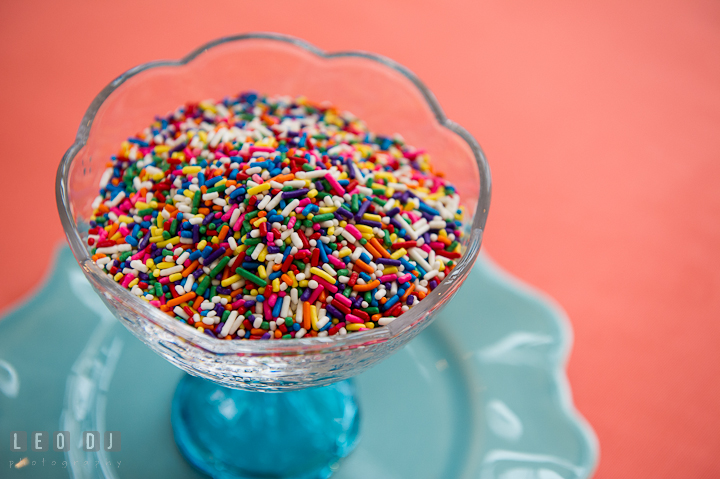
(376, 244)
(366, 287)
(306, 316)
(364, 266)
(223, 232)
(407, 293)
(193, 266)
(181, 299)
(198, 302)
(286, 279)
(376, 254)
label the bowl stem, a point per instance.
(230, 433)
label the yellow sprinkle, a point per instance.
(331, 230)
(189, 193)
(312, 193)
(166, 265)
(175, 277)
(327, 209)
(215, 240)
(155, 239)
(201, 245)
(141, 205)
(276, 285)
(262, 272)
(303, 283)
(118, 276)
(156, 273)
(398, 254)
(372, 217)
(344, 252)
(173, 241)
(364, 229)
(354, 326)
(313, 317)
(390, 270)
(227, 282)
(258, 189)
(192, 170)
(323, 275)
(116, 236)
(263, 253)
(370, 325)
(150, 263)
(162, 149)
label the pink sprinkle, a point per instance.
(336, 262)
(164, 280)
(227, 215)
(258, 179)
(425, 248)
(437, 245)
(316, 293)
(387, 278)
(343, 300)
(292, 221)
(405, 278)
(127, 279)
(353, 319)
(272, 299)
(268, 310)
(335, 185)
(330, 287)
(155, 303)
(265, 149)
(353, 231)
(238, 304)
(304, 201)
(239, 222)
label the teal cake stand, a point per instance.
(480, 394)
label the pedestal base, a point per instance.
(229, 433)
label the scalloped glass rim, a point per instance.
(413, 318)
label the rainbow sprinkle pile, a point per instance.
(274, 218)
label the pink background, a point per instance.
(602, 126)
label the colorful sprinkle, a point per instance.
(274, 218)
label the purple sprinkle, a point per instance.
(372, 224)
(334, 311)
(410, 300)
(294, 193)
(432, 284)
(344, 212)
(222, 290)
(144, 241)
(214, 255)
(388, 261)
(196, 234)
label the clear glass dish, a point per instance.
(386, 95)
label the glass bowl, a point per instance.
(386, 95)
